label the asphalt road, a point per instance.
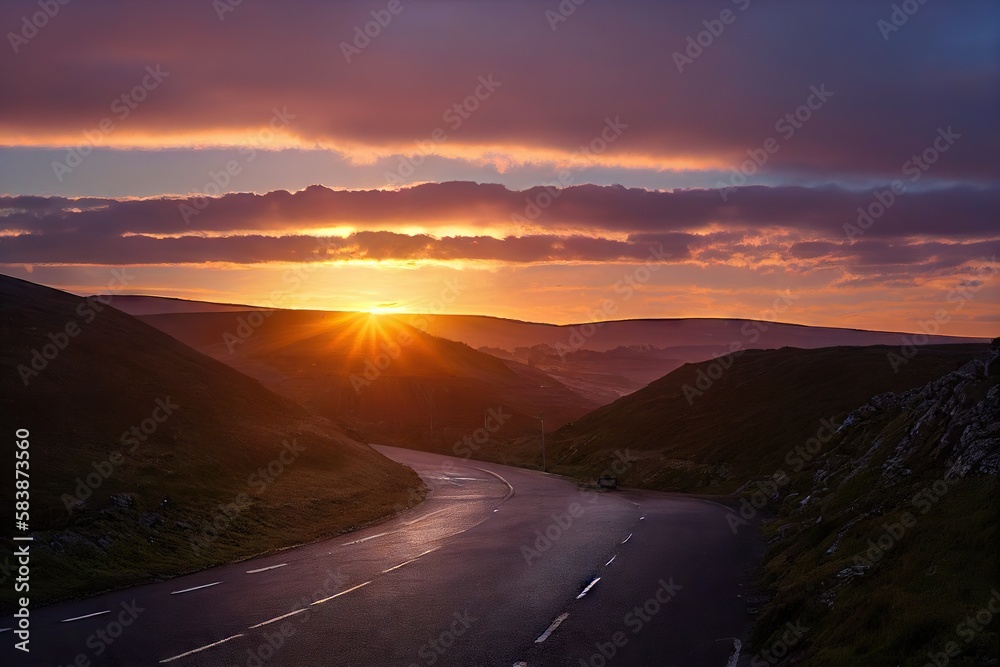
(497, 567)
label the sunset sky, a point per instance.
(523, 159)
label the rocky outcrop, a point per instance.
(900, 509)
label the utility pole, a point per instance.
(540, 418)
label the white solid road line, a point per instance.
(611, 561)
(197, 650)
(627, 538)
(587, 589)
(510, 494)
(265, 569)
(552, 628)
(340, 593)
(195, 588)
(6, 629)
(77, 618)
(278, 618)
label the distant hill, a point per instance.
(707, 428)
(139, 304)
(138, 442)
(602, 376)
(691, 339)
(602, 361)
(384, 379)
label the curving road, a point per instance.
(500, 566)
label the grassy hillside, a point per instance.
(388, 381)
(142, 449)
(886, 544)
(705, 428)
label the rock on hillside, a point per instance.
(886, 542)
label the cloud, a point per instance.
(556, 87)
(924, 235)
(958, 212)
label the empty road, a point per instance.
(499, 566)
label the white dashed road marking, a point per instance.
(278, 618)
(587, 589)
(77, 618)
(198, 650)
(340, 593)
(552, 628)
(195, 588)
(396, 567)
(265, 569)
(365, 539)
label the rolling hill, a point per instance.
(382, 378)
(707, 427)
(148, 459)
(602, 361)
(691, 339)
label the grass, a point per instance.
(922, 576)
(144, 519)
(741, 427)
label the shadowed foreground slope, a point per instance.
(885, 545)
(148, 459)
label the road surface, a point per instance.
(499, 566)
